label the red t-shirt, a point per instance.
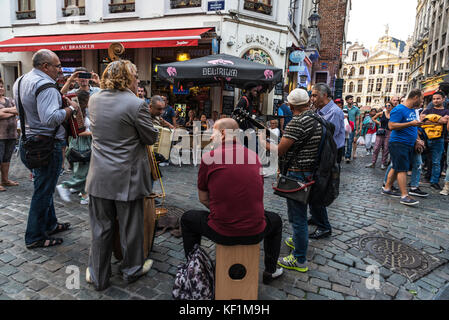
(235, 191)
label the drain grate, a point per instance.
(396, 255)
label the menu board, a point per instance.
(279, 89)
(228, 104)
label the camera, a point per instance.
(85, 75)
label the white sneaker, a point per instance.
(63, 193)
(147, 266)
(268, 277)
(73, 190)
(84, 201)
(88, 277)
(368, 153)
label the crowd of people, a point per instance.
(120, 122)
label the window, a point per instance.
(408, 66)
(362, 71)
(345, 71)
(117, 6)
(381, 69)
(399, 89)
(405, 89)
(354, 56)
(389, 86)
(259, 6)
(400, 76)
(352, 72)
(180, 4)
(406, 76)
(360, 86)
(370, 85)
(321, 77)
(74, 8)
(372, 70)
(27, 9)
(401, 66)
(368, 99)
(391, 68)
(379, 84)
(358, 100)
(351, 87)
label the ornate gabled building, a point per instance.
(374, 76)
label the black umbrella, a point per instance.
(219, 69)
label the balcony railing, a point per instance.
(258, 7)
(122, 7)
(73, 11)
(23, 15)
(181, 4)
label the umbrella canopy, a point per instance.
(219, 69)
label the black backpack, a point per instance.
(327, 174)
(195, 279)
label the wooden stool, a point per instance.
(228, 260)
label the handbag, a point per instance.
(38, 149)
(381, 132)
(291, 188)
(79, 150)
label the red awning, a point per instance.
(91, 41)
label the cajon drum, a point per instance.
(230, 258)
(149, 226)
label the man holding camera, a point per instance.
(44, 116)
(82, 78)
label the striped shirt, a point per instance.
(298, 129)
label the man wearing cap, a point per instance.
(339, 103)
(300, 154)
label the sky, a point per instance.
(368, 19)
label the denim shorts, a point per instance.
(401, 156)
(7, 147)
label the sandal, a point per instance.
(2, 189)
(60, 227)
(10, 183)
(45, 243)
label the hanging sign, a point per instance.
(297, 56)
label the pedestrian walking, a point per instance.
(354, 115)
(119, 174)
(8, 137)
(403, 123)
(382, 136)
(44, 115)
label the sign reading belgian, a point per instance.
(215, 5)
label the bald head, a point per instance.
(43, 56)
(226, 123)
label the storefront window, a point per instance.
(117, 6)
(74, 8)
(179, 4)
(104, 60)
(26, 9)
(259, 6)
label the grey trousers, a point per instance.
(103, 214)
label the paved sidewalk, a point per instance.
(337, 271)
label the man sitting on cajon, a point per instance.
(230, 185)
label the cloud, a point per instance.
(368, 20)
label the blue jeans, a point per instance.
(42, 217)
(349, 145)
(297, 216)
(436, 149)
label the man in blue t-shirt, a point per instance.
(284, 110)
(404, 125)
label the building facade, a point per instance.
(374, 76)
(430, 49)
(153, 32)
(332, 29)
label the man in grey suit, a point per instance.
(119, 174)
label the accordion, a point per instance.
(163, 144)
(76, 121)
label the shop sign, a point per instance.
(221, 72)
(265, 41)
(78, 47)
(215, 5)
(297, 56)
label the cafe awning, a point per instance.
(92, 41)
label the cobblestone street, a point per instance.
(337, 270)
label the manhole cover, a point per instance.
(397, 256)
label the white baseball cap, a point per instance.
(298, 97)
